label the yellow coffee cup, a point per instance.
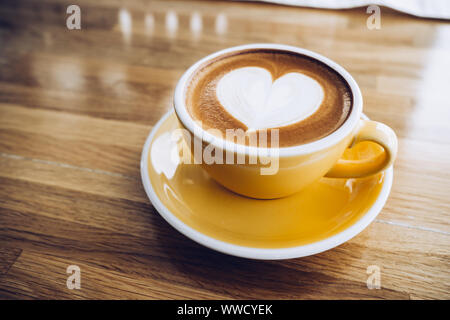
(283, 171)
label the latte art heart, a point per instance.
(266, 88)
(251, 96)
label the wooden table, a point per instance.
(77, 105)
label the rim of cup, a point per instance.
(333, 138)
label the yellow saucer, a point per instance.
(320, 217)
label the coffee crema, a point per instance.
(269, 89)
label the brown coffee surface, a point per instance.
(203, 105)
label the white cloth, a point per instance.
(438, 9)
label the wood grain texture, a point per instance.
(76, 107)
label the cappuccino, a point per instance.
(260, 89)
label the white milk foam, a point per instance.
(251, 96)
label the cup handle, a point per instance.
(368, 131)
